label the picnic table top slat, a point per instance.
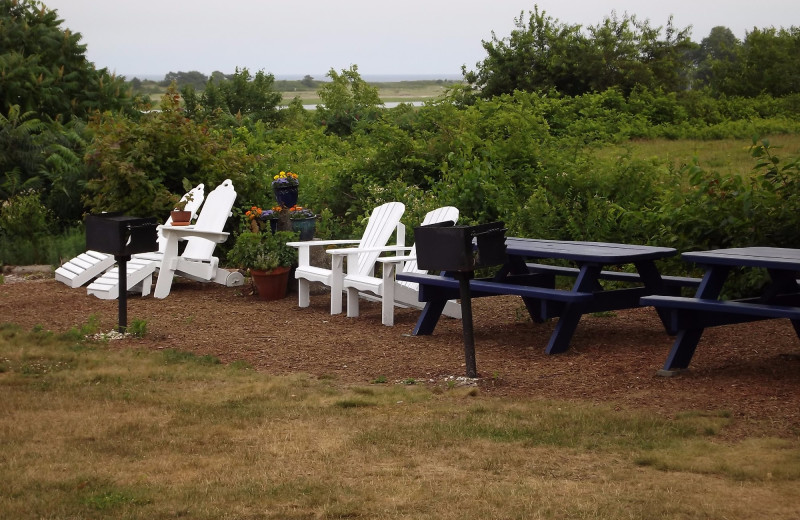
(594, 252)
(766, 257)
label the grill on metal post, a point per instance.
(460, 250)
(121, 236)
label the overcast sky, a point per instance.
(411, 37)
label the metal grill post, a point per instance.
(122, 323)
(466, 323)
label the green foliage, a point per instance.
(43, 68)
(138, 328)
(192, 78)
(138, 167)
(27, 232)
(45, 157)
(235, 98)
(768, 62)
(47, 249)
(542, 54)
(346, 101)
(263, 251)
(24, 214)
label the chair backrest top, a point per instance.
(215, 213)
(198, 194)
(383, 221)
(442, 214)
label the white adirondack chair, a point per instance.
(196, 262)
(383, 222)
(394, 292)
(91, 264)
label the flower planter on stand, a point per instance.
(305, 226)
(271, 285)
(285, 195)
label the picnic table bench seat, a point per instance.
(620, 276)
(748, 307)
(480, 287)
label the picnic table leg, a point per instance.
(796, 325)
(686, 342)
(586, 281)
(429, 318)
(648, 272)
(784, 282)
(682, 351)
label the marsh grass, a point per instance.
(726, 156)
(94, 432)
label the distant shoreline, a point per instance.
(370, 78)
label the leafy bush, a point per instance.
(138, 166)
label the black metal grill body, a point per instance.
(121, 236)
(461, 250)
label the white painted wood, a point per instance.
(384, 221)
(390, 291)
(91, 264)
(199, 264)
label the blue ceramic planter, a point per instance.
(306, 226)
(285, 195)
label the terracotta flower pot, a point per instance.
(271, 285)
(181, 218)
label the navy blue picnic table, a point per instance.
(690, 316)
(522, 275)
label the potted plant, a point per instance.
(285, 185)
(268, 259)
(181, 217)
(297, 218)
(303, 221)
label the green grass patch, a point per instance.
(94, 432)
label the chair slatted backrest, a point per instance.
(383, 221)
(215, 213)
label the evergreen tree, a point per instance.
(44, 70)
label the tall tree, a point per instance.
(240, 95)
(717, 60)
(194, 78)
(543, 54)
(44, 70)
(771, 62)
(346, 100)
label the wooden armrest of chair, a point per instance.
(183, 232)
(396, 259)
(357, 250)
(309, 243)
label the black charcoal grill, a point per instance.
(461, 250)
(121, 236)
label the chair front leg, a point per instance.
(352, 302)
(303, 291)
(337, 283)
(387, 299)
